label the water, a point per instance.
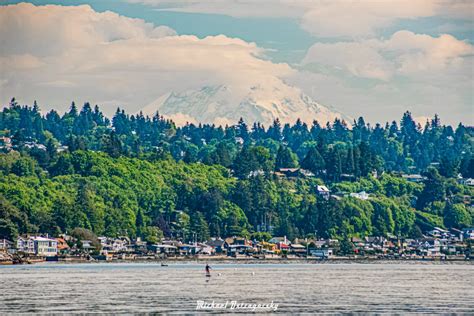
(296, 288)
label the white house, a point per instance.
(469, 182)
(361, 195)
(322, 253)
(323, 191)
(37, 245)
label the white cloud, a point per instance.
(418, 72)
(359, 59)
(62, 53)
(336, 18)
(404, 53)
(57, 54)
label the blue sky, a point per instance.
(372, 60)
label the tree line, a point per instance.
(140, 176)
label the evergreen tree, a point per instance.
(313, 161)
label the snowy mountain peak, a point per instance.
(223, 104)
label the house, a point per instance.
(188, 249)
(5, 142)
(416, 178)
(5, 245)
(31, 145)
(430, 247)
(166, 249)
(298, 249)
(468, 233)
(139, 246)
(439, 233)
(205, 249)
(237, 241)
(347, 177)
(469, 182)
(323, 191)
(361, 195)
(322, 253)
(37, 245)
(256, 173)
(63, 247)
(87, 245)
(239, 140)
(295, 172)
(267, 247)
(61, 149)
(276, 240)
(233, 250)
(217, 244)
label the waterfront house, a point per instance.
(276, 240)
(165, 249)
(87, 246)
(233, 250)
(322, 253)
(188, 249)
(37, 245)
(430, 247)
(139, 246)
(468, 233)
(297, 249)
(267, 247)
(237, 241)
(63, 247)
(217, 244)
(439, 233)
(5, 245)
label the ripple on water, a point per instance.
(297, 288)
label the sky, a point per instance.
(371, 58)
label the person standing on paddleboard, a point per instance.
(208, 269)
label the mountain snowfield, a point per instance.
(226, 104)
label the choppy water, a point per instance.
(296, 288)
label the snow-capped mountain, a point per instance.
(224, 104)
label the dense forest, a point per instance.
(144, 176)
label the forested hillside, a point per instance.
(140, 176)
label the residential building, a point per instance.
(37, 245)
(417, 178)
(322, 253)
(217, 244)
(361, 195)
(323, 191)
(5, 245)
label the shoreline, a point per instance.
(246, 261)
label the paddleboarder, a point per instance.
(208, 270)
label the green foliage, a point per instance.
(84, 234)
(457, 215)
(261, 236)
(146, 177)
(152, 234)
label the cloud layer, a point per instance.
(56, 54)
(404, 53)
(324, 18)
